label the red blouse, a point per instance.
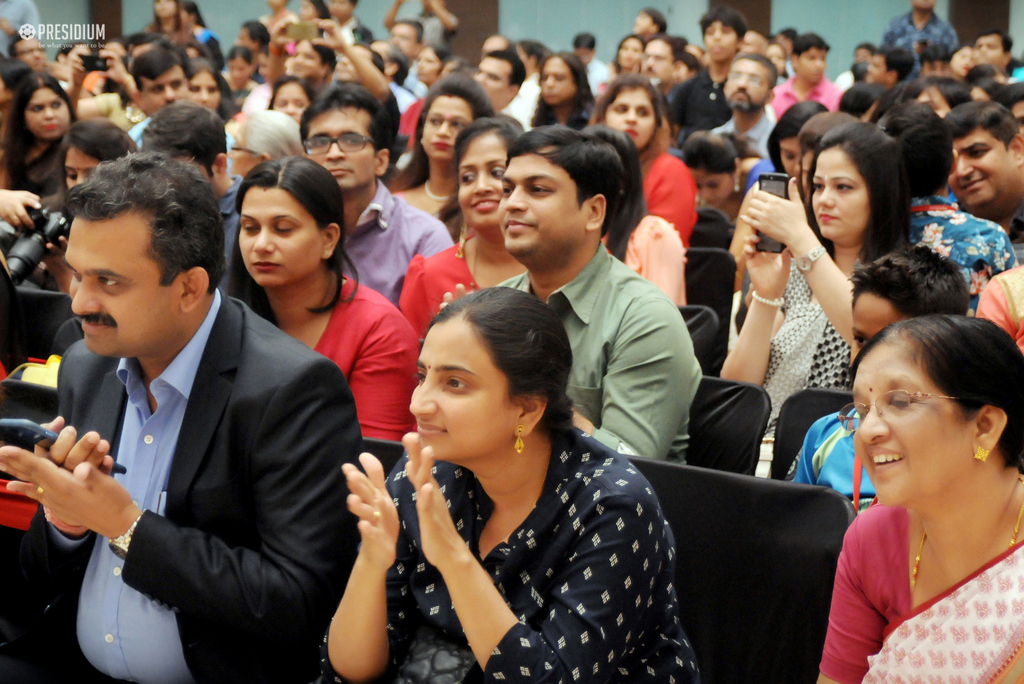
(376, 349)
(427, 280)
(671, 193)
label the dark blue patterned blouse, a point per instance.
(589, 574)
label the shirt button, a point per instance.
(148, 439)
(109, 638)
(713, 96)
(135, 503)
(117, 572)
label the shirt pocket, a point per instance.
(588, 401)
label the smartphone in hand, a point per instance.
(775, 184)
(303, 30)
(25, 434)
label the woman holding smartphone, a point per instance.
(799, 327)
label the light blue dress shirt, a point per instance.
(123, 633)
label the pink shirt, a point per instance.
(872, 591)
(826, 92)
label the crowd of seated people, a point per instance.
(278, 247)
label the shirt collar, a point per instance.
(379, 209)
(918, 203)
(181, 372)
(582, 291)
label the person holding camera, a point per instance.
(44, 238)
(858, 210)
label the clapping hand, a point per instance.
(370, 501)
(439, 540)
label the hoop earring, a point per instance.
(981, 454)
(519, 439)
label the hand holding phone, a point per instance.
(28, 435)
(774, 184)
(93, 62)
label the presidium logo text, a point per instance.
(64, 33)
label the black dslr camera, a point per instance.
(29, 250)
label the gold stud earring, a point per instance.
(981, 454)
(519, 439)
(327, 255)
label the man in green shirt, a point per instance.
(634, 373)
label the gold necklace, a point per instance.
(1013, 540)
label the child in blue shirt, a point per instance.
(911, 282)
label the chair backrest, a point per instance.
(28, 400)
(755, 564)
(713, 229)
(44, 313)
(702, 322)
(386, 451)
(710, 281)
(796, 416)
(727, 422)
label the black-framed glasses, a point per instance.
(347, 142)
(891, 406)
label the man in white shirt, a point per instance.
(584, 46)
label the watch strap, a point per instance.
(119, 545)
(805, 262)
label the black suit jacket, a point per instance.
(256, 543)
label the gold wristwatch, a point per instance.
(119, 545)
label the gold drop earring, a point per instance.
(519, 439)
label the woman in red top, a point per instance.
(635, 107)
(287, 266)
(479, 259)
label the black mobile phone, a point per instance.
(25, 434)
(776, 184)
(94, 62)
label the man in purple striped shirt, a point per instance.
(348, 132)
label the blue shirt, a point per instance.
(17, 13)
(902, 33)
(981, 248)
(123, 633)
(827, 460)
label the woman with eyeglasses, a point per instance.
(429, 179)
(288, 266)
(930, 583)
(264, 136)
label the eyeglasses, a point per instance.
(752, 79)
(347, 142)
(236, 148)
(892, 406)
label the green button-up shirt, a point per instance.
(633, 373)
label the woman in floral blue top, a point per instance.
(505, 528)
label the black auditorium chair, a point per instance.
(44, 312)
(712, 229)
(755, 564)
(710, 280)
(796, 416)
(386, 451)
(702, 323)
(37, 403)
(727, 422)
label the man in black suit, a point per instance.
(221, 553)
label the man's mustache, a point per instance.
(99, 319)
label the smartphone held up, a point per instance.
(775, 184)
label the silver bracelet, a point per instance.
(777, 303)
